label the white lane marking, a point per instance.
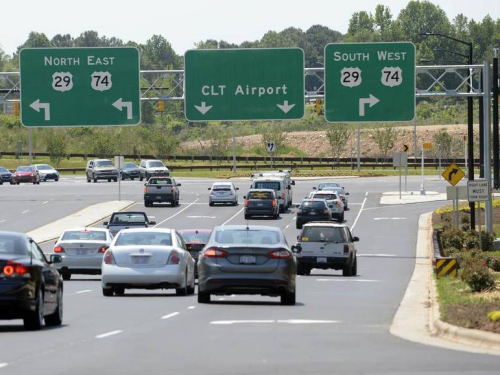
(359, 213)
(1, 221)
(221, 299)
(308, 321)
(83, 291)
(191, 307)
(104, 335)
(3, 365)
(168, 316)
(177, 213)
(45, 202)
(288, 226)
(232, 217)
(357, 280)
(25, 211)
(230, 322)
(377, 255)
(201, 217)
(366, 194)
(389, 218)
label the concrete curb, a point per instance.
(85, 217)
(418, 317)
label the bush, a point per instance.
(487, 240)
(494, 316)
(493, 263)
(475, 272)
(471, 240)
(452, 238)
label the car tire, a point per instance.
(119, 291)
(108, 292)
(203, 297)
(301, 269)
(354, 270)
(141, 178)
(307, 269)
(95, 179)
(193, 286)
(34, 182)
(56, 318)
(34, 319)
(347, 270)
(88, 180)
(57, 179)
(210, 204)
(298, 225)
(341, 218)
(282, 209)
(288, 298)
(247, 217)
(18, 183)
(147, 204)
(183, 291)
(66, 275)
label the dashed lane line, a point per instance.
(45, 202)
(191, 307)
(168, 316)
(359, 213)
(83, 291)
(287, 321)
(177, 213)
(350, 280)
(107, 334)
(2, 365)
(232, 217)
(26, 211)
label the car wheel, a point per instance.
(347, 270)
(115, 179)
(109, 179)
(56, 318)
(147, 204)
(354, 270)
(210, 204)
(247, 217)
(300, 269)
(146, 176)
(141, 178)
(282, 209)
(193, 286)
(66, 275)
(57, 179)
(183, 291)
(11, 183)
(107, 292)
(1, 182)
(18, 183)
(235, 203)
(298, 225)
(34, 319)
(95, 179)
(288, 298)
(88, 180)
(341, 218)
(307, 269)
(119, 291)
(203, 297)
(34, 182)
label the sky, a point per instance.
(186, 22)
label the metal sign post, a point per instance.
(400, 159)
(488, 208)
(119, 161)
(479, 191)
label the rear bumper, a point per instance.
(225, 199)
(106, 176)
(261, 211)
(262, 284)
(171, 276)
(74, 263)
(307, 219)
(17, 299)
(159, 197)
(331, 262)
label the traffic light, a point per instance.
(161, 106)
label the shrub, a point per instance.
(451, 252)
(475, 272)
(452, 238)
(487, 240)
(494, 316)
(493, 263)
(471, 240)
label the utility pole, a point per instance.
(496, 145)
(488, 212)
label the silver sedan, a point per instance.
(147, 258)
(81, 250)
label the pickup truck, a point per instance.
(161, 189)
(127, 219)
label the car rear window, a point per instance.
(200, 237)
(325, 196)
(12, 245)
(260, 195)
(43, 167)
(323, 234)
(160, 181)
(144, 238)
(84, 235)
(274, 185)
(128, 218)
(314, 204)
(2, 169)
(245, 237)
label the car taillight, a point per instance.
(109, 258)
(214, 253)
(59, 249)
(338, 203)
(246, 203)
(346, 249)
(14, 269)
(102, 249)
(145, 189)
(325, 211)
(173, 258)
(274, 202)
(299, 210)
(172, 189)
(280, 254)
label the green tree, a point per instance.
(56, 146)
(219, 140)
(163, 141)
(385, 137)
(443, 142)
(338, 135)
(158, 53)
(65, 40)
(273, 133)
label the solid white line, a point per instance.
(342, 280)
(307, 321)
(232, 217)
(359, 213)
(177, 213)
(288, 321)
(221, 299)
(1, 221)
(376, 255)
(45, 202)
(104, 335)
(25, 211)
(83, 291)
(191, 307)
(366, 194)
(170, 315)
(3, 365)
(229, 322)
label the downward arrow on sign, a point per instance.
(285, 107)
(203, 108)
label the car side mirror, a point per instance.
(145, 184)
(237, 188)
(297, 205)
(55, 259)
(355, 239)
(297, 249)
(244, 197)
(289, 187)
(293, 182)
(209, 188)
(179, 184)
(314, 188)
(346, 193)
(105, 223)
(152, 223)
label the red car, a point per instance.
(195, 240)
(26, 174)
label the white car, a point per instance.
(147, 258)
(47, 172)
(81, 250)
(223, 192)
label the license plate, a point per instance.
(247, 259)
(321, 260)
(260, 204)
(81, 252)
(312, 212)
(158, 197)
(140, 260)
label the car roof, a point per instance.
(324, 224)
(270, 178)
(93, 229)
(130, 212)
(222, 183)
(152, 230)
(267, 190)
(194, 231)
(13, 234)
(249, 227)
(151, 160)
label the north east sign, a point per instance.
(244, 84)
(79, 87)
(369, 82)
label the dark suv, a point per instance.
(261, 202)
(312, 210)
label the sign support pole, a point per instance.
(399, 175)
(479, 222)
(30, 150)
(359, 148)
(234, 147)
(488, 217)
(406, 178)
(439, 149)
(422, 188)
(457, 207)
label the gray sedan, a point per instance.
(241, 259)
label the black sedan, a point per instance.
(129, 171)
(5, 176)
(30, 286)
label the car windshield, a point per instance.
(314, 204)
(2, 169)
(274, 185)
(160, 181)
(247, 236)
(129, 165)
(260, 195)
(44, 167)
(24, 169)
(331, 196)
(128, 218)
(144, 238)
(325, 185)
(12, 245)
(84, 235)
(199, 237)
(103, 163)
(155, 164)
(323, 234)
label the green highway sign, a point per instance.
(79, 86)
(369, 82)
(244, 84)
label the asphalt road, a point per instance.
(339, 325)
